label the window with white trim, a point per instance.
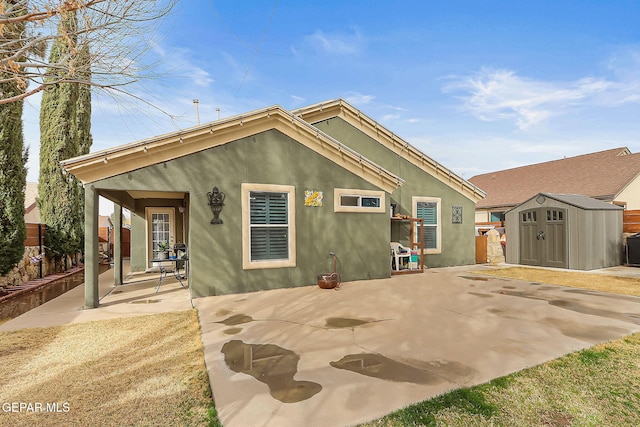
(350, 200)
(428, 208)
(269, 222)
(269, 231)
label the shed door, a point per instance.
(530, 246)
(554, 240)
(543, 237)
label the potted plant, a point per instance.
(163, 250)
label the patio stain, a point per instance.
(575, 306)
(232, 331)
(381, 367)
(236, 319)
(345, 322)
(145, 301)
(480, 279)
(478, 294)
(272, 365)
(580, 331)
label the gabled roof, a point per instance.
(125, 158)
(579, 201)
(340, 108)
(601, 175)
(30, 196)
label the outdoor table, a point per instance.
(176, 271)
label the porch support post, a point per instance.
(91, 259)
(117, 245)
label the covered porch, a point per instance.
(157, 217)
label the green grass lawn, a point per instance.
(599, 386)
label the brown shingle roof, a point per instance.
(600, 175)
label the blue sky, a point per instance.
(477, 85)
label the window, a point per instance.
(529, 216)
(346, 200)
(497, 216)
(428, 208)
(268, 226)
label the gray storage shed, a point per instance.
(565, 231)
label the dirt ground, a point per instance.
(598, 282)
(142, 371)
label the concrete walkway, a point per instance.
(316, 357)
(134, 298)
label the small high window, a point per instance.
(350, 200)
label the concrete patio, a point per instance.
(315, 357)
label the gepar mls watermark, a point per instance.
(36, 407)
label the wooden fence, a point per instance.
(35, 234)
(631, 221)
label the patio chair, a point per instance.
(399, 253)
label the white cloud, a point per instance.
(296, 101)
(358, 99)
(503, 95)
(179, 63)
(337, 43)
(201, 77)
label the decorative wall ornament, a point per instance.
(313, 198)
(216, 202)
(456, 214)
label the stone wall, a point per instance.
(495, 254)
(26, 270)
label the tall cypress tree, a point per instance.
(64, 109)
(84, 140)
(13, 172)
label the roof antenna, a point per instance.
(195, 104)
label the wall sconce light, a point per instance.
(216, 202)
(106, 160)
(145, 149)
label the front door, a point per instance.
(543, 237)
(160, 228)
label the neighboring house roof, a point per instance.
(601, 175)
(125, 158)
(30, 196)
(105, 221)
(31, 211)
(340, 108)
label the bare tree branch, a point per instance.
(119, 32)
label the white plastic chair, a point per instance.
(399, 253)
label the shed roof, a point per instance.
(125, 158)
(340, 108)
(579, 201)
(601, 175)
